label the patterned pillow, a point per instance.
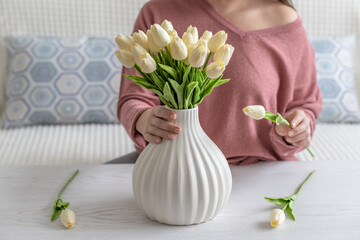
(61, 80)
(334, 62)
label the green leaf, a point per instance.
(270, 116)
(281, 120)
(290, 198)
(204, 83)
(169, 96)
(196, 96)
(188, 92)
(289, 211)
(209, 87)
(179, 92)
(144, 75)
(159, 82)
(222, 81)
(140, 81)
(56, 214)
(277, 201)
(169, 70)
(59, 205)
(185, 76)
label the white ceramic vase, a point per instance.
(182, 181)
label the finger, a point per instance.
(282, 130)
(302, 127)
(296, 118)
(303, 143)
(164, 113)
(165, 125)
(298, 138)
(161, 133)
(152, 139)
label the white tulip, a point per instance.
(147, 63)
(152, 45)
(124, 42)
(217, 41)
(141, 38)
(206, 35)
(202, 42)
(137, 51)
(167, 26)
(188, 39)
(67, 218)
(198, 56)
(126, 58)
(255, 111)
(178, 49)
(160, 36)
(277, 217)
(224, 54)
(194, 32)
(215, 69)
(173, 34)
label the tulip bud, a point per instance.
(224, 54)
(277, 217)
(188, 39)
(206, 35)
(124, 42)
(67, 217)
(194, 32)
(203, 42)
(178, 50)
(141, 38)
(215, 69)
(173, 34)
(126, 58)
(167, 26)
(198, 56)
(255, 111)
(137, 51)
(160, 36)
(217, 41)
(152, 45)
(147, 63)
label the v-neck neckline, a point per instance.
(209, 9)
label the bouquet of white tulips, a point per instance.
(176, 69)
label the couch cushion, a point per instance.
(98, 143)
(61, 80)
(334, 63)
(71, 144)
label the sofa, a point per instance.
(97, 142)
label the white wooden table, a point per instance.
(328, 206)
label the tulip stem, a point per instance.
(307, 179)
(67, 183)
(207, 61)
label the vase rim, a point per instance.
(183, 110)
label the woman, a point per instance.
(273, 65)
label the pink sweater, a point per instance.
(273, 67)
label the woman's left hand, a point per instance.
(300, 132)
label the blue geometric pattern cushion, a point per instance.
(334, 62)
(61, 80)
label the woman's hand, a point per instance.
(157, 123)
(300, 133)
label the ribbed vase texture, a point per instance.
(182, 181)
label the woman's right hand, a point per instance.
(157, 123)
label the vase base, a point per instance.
(178, 224)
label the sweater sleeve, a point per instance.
(134, 99)
(306, 97)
